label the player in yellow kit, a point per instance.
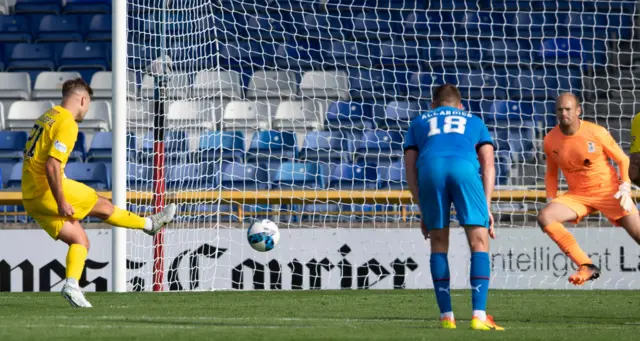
(634, 166)
(58, 204)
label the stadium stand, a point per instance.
(317, 104)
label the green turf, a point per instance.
(317, 315)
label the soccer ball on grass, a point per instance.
(263, 235)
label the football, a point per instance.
(263, 235)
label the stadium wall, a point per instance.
(347, 259)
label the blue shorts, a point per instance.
(447, 180)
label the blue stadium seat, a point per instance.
(513, 129)
(14, 29)
(100, 28)
(5, 172)
(79, 151)
(344, 5)
(349, 115)
(266, 26)
(503, 169)
(483, 24)
(246, 54)
(398, 114)
(101, 147)
(15, 177)
(345, 53)
(583, 25)
(176, 147)
(402, 55)
(507, 5)
(508, 51)
(421, 84)
(621, 24)
(12, 145)
(91, 174)
(478, 85)
(458, 5)
(325, 147)
(59, 28)
(87, 6)
(139, 177)
(303, 55)
(370, 83)
(583, 52)
(86, 58)
(325, 26)
(37, 7)
(187, 176)
(532, 24)
(458, 53)
(299, 175)
(347, 176)
(31, 58)
(379, 146)
(291, 5)
(225, 145)
(429, 24)
(392, 176)
(240, 176)
(376, 25)
(272, 146)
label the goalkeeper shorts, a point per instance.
(44, 209)
(584, 204)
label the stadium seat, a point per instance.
(14, 29)
(477, 85)
(620, 24)
(37, 7)
(325, 26)
(196, 115)
(49, 84)
(582, 52)
(98, 117)
(240, 176)
(324, 84)
(139, 177)
(85, 58)
(93, 175)
(393, 176)
(102, 85)
(101, 147)
(266, 26)
(301, 55)
(532, 24)
(178, 86)
(299, 115)
(140, 113)
(379, 146)
(87, 6)
(376, 25)
(225, 145)
(31, 58)
(402, 55)
(15, 86)
(272, 84)
(239, 115)
(237, 55)
(370, 83)
(12, 145)
(421, 84)
(507, 51)
(187, 176)
(79, 151)
(584, 25)
(348, 115)
(272, 145)
(325, 147)
(425, 24)
(15, 178)
(58, 28)
(100, 28)
(22, 114)
(398, 114)
(483, 24)
(345, 53)
(349, 177)
(176, 148)
(216, 84)
(299, 175)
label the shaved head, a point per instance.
(568, 112)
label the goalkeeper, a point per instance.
(442, 149)
(56, 203)
(582, 151)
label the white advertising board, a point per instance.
(356, 258)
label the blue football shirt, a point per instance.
(447, 131)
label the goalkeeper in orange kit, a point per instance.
(582, 151)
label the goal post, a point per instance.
(295, 111)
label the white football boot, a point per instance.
(74, 295)
(159, 220)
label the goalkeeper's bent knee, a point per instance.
(124, 218)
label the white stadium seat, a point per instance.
(248, 115)
(270, 84)
(299, 115)
(23, 114)
(15, 85)
(187, 115)
(217, 84)
(324, 84)
(178, 85)
(49, 84)
(98, 117)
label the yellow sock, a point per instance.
(76, 256)
(123, 218)
(567, 243)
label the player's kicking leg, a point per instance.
(550, 220)
(116, 216)
(74, 235)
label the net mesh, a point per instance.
(304, 98)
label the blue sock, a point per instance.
(480, 274)
(440, 275)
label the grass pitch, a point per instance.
(318, 315)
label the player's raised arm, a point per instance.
(551, 175)
(613, 151)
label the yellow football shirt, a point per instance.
(53, 134)
(635, 134)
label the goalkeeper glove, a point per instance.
(624, 195)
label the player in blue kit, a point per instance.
(444, 150)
